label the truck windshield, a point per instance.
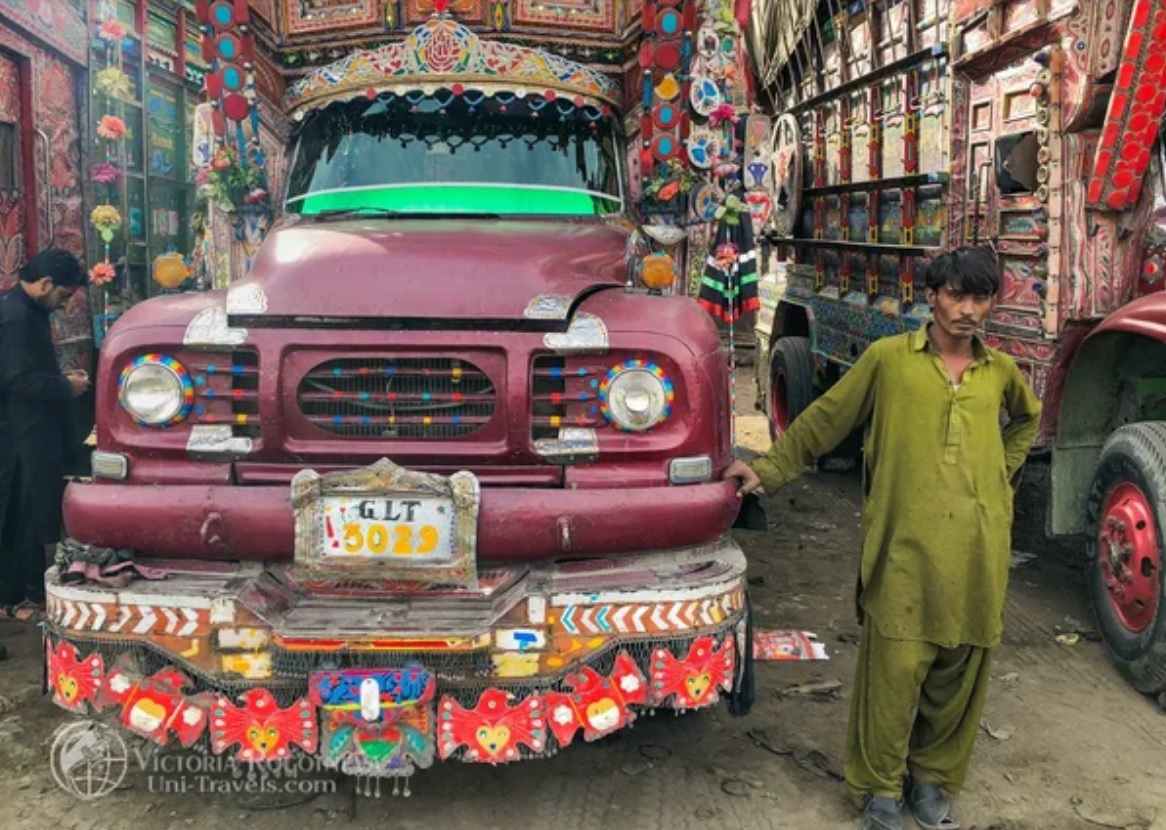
(457, 154)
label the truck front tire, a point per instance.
(1126, 515)
(791, 383)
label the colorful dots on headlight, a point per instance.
(186, 387)
(635, 364)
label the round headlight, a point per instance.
(156, 391)
(636, 396)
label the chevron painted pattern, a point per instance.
(648, 618)
(80, 615)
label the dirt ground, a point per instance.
(1066, 744)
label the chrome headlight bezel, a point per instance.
(174, 391)
(636, 396)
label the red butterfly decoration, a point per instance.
(155, 706)
(261, 728)
(597, 704)
(693, 681)
(492, 731)
(74, 681)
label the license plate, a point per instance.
(406, 527)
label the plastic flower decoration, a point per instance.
(106, 173)
(111, 127)
(723, 113)
(112, 30)
(725, 256)
(113, 82)
(102, 273)
(106, 220)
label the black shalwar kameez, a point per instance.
(37, 441)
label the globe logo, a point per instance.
(88, 759)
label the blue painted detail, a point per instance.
(200, 380)
(211, 369)
(556, 371)
(601, 618)
(227, 48)
(223, 15)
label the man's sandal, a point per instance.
(882, 813)
(930, 806)
(26, 611)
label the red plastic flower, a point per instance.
(101, 273)
(112, 31)
(106, 173)
(111, 127)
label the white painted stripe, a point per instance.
(146, 623)
(646, 595)
(76, 593)
(70, 613)
(658, 617)
(98, 617)
(638, 618)
(171, 620)
(191, 622)
(82, 614)
(123, 616)
(618, 618)
(170, 600)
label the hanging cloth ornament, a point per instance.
(728, 288)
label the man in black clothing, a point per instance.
(37, 438)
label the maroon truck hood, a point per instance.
(432, 269)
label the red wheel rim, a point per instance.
(1129, 556)
(778, 408)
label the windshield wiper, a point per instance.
(344, 213)
(371, 210)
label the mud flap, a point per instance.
(745, 686)
(751, 514)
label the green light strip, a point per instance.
(437, 200)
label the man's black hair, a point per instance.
(64, 269)
(970, 270)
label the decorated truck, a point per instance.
(1031, 127)
(439, 477)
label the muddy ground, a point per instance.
(1073, 748)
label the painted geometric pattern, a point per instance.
(657, 618)
(582, 14)
(128, 618)
(467, 11)
(304, 16)
(442, 51)
(1135, 109)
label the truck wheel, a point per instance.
(791, 384)
(1126, 512)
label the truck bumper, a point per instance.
(246, 661)
(228, 522)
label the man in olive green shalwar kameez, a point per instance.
(936, 528)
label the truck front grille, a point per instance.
(407, 397)
(564, 394)
(226, 390)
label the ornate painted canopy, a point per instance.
(442, 54)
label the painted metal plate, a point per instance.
(707, 41)
(668, 88)
(703, 148)
(410, 528)
(705, 96)
(667, 55)
(669, 23)
(666, 116)
(787, 173)
(706, 200)
(664, 147)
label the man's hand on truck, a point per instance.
(750, 481)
